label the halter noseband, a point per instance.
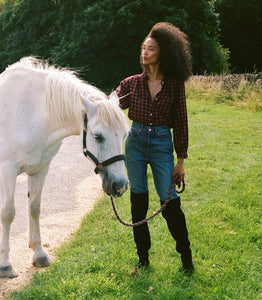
(99, 165)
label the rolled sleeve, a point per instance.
(123, 91)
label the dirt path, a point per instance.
(70, 191)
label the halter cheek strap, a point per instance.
(99, 165)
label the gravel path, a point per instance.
(70, 191)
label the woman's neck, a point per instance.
(154, 73)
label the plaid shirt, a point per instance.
(168, 107)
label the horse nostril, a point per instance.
(119, 187)
(114, 187)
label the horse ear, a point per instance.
(89, 106)
(114, 98)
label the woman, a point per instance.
(156, 103)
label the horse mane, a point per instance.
(111, 115)
(63, 88)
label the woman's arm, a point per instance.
(180, 124)
(180, 133)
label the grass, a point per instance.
(222, 204)
(232, 90)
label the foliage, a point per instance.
(241, 31)
(27, 29)
(222, 203)
(203, 29)
(102, 38)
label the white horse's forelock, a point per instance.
(111, 115)
(62, 96)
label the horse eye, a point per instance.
(99, 138)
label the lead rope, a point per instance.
(156, 213)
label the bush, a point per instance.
(102, 38)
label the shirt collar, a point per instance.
(145, 78)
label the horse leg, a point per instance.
(35, 187)
(7, 187)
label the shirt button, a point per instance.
(156, 98)
(150, 124)
(150, 114)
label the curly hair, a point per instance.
(175, 57)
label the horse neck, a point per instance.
(61, 131)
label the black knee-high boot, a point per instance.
(176, 223)
(139, 207)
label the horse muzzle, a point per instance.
(116, 188)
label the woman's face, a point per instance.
(150, 52)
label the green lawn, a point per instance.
(222, 203)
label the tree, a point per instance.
(203, 29)
(106, 42)
(102, 38)
(241, 31)
(27, 28)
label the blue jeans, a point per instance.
(150, 145)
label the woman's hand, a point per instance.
(179, 172)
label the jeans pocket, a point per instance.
(133, 132)
(136, 129)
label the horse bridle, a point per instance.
(99, 165)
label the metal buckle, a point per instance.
(99, 167)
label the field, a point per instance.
(222, 204)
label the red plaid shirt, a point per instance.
(168, 107)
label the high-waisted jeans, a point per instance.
(150, 145)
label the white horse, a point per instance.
(40, 105)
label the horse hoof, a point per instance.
(7, 272)
(42, 262)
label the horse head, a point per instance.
(104, 131)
